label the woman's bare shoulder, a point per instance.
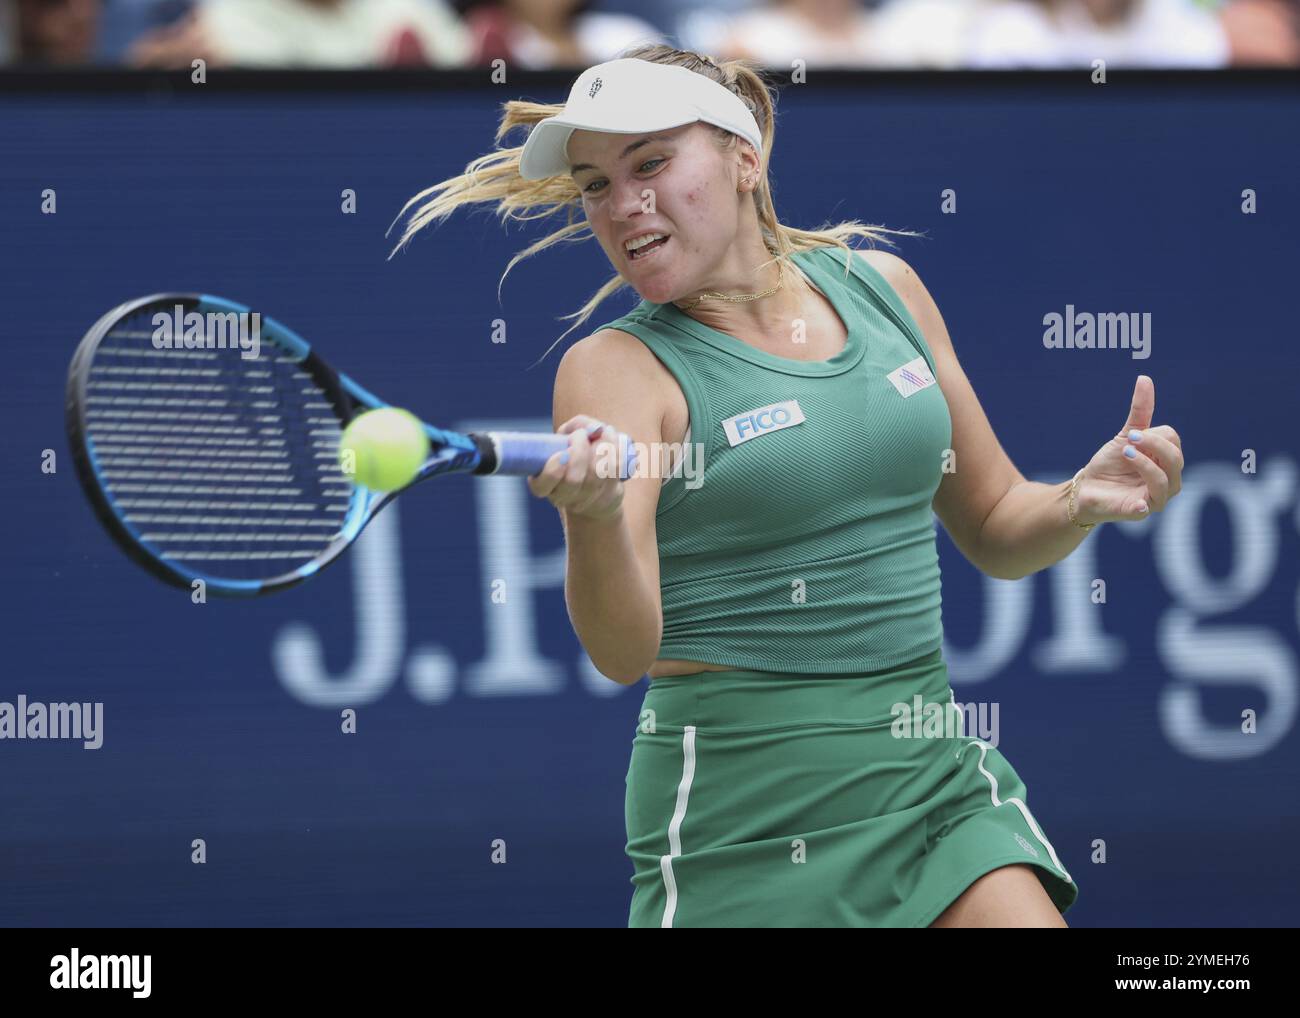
(614, 369)
(612, 346)
(901, 276)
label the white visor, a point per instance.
(632, 96)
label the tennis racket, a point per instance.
(205, 462)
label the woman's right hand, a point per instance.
(571, 479)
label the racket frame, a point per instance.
(456, 453)
(452, 451)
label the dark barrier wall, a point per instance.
(482, 728)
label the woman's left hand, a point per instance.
(1137, 472)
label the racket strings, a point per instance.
(224, 463)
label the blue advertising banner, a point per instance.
(1145, 687)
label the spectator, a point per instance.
(54, 33)
(699, 27)
(660, 13)
(923, 33)
(537, 34)
(311, 33)
(125, 21)
(825, 33)
(1074, 33)
(1263, 32)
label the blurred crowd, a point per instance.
(537, 34)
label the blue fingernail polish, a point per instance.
(564, 456)
(1130, 452)
(1135, 435)
(593, 428)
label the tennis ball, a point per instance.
(383, 449)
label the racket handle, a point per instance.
(523, 453)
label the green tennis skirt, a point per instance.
(770, 799)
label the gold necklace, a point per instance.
(742, 297)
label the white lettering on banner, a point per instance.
(514, 666)
(1193, 652)
(1079, 643)
(1007, 610)
(379, 619)
(1254, 657)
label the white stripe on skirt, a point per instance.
(675, 828)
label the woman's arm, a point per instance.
(611, 583)
(1007, 526)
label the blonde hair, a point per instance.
(495, 178)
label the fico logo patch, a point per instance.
(762, 421)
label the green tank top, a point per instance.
(804, 539)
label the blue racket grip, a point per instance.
(524, 453)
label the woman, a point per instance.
(785, 600)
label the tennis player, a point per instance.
(781, 586)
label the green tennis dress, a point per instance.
(797, 548)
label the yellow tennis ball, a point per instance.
(383, 449)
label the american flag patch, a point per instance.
(911, 377)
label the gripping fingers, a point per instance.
(562, 480)
(544, 483)
(590, 490)
(576, 483)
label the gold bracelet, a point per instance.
(1074, 490)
